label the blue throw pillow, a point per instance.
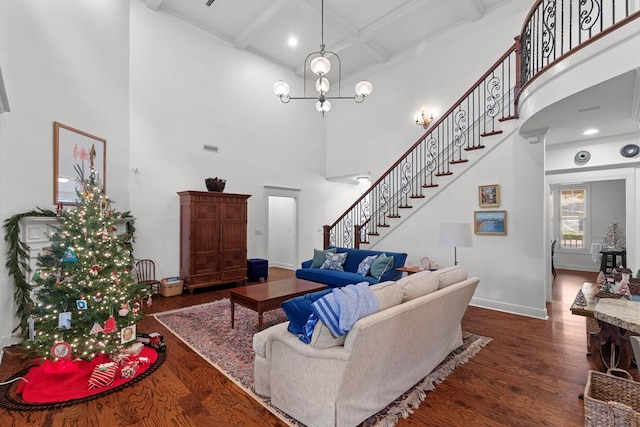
(381, 265)
(319, 257)
(365, 265)
(334, 261)
(298, 309)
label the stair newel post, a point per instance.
(325, 236)
(356, 236)
(518, 86)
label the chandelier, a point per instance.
(319, 65)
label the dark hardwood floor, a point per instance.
(530, 375)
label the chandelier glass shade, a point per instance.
(319, 65)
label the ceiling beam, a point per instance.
(348, 31)
(265, 19)
(475, 10)
(377, 26)
(153, 4)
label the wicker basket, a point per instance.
(610, 400)
(171, 289)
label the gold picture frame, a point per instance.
(72, 150)
(489, 196)
(490, 222)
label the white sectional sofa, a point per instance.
(343, 381)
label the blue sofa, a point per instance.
(334, 278)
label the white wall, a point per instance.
(63, 61)
(191, 88)
(432, 75)
(282, 232)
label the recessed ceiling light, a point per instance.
(590, 132)
(293, 42)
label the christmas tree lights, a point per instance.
(88, 301)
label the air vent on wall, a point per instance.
(210, 148)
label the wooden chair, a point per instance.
(146, 274)
(553, 249)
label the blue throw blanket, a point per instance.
(340, 309)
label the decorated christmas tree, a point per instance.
(614, 236)
(87, 299)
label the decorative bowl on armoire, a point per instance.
(215, 184)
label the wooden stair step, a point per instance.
(405, 207)
(373, 234)
(383, 225)
(393, 216)
(455, 162)
(478, 147)
(495, 132)
(429, 185)
(444, 173)
(504, 119)
(418, 196)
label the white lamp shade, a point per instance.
(322, 85)
(364, 88)
(323, 107)
(455, 235)
(320, 66)
(281, 88)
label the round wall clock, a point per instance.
(630, 150)
(582, 157)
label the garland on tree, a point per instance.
(18, 264)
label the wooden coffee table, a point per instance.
(268, 296)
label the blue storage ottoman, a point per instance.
(257, 268)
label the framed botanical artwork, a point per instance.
(489, 196)
(74, 154)
(490, 222)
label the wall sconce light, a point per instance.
(423, 120)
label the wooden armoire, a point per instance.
(213, 238)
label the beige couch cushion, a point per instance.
(419, 284)
(388, 294)
(450, 275)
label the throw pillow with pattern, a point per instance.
(334, 261)
(365, 265)
(381, 265)
(318, 257)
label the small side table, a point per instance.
(412, 270)
(612, 259)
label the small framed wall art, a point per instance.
(490, 222)
(489, 196)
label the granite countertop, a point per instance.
(619, 312)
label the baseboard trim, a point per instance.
(510, 308)
(594, 268)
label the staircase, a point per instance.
(553, 30)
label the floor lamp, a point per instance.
(456, 235)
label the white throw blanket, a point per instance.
(340, 309)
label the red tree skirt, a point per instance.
(62, 381)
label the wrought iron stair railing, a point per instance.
(552, 30)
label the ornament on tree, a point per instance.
(96, 329)
(105, 235)
(109, 326)
(115, 278)
(69, 255)
(124, 309)
(94, 270)
(136, 308)
(97, 297)
(61, 350)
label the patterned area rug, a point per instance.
(206, 328)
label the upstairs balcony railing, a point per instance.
(552, 30)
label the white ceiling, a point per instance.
(365, 33)
(362, 32)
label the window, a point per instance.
(571, 216)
